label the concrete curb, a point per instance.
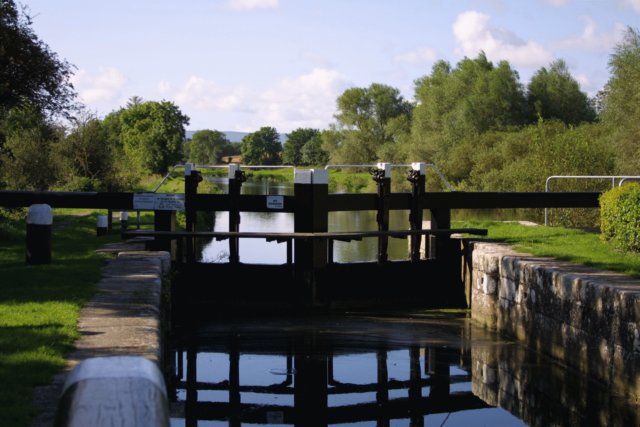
(122, 319)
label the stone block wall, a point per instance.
(586, 318)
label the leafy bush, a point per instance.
(80, 183)
(620, 217)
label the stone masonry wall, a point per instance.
(588, 319)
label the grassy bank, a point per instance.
(573, 245)
(39, 306)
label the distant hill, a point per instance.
(234, 136)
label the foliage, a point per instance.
(84, 157)
(261, 147)
(26, 154)
(471, 98)
(30, 73)
(620, 217)
(368, 119)
(621, 103)
(312, 152)
(555, 94)
(293, 148)
(151, 134)
(207, 147)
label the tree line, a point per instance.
(475, 120)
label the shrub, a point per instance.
(620, 217)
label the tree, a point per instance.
(312, 152)
(30, 73)
(151, 134)
(472, 98)
(261, 147)
(295, 143)
(85, 158)
(368, 118)
(26, 155)
(207, 147)
(621, 104)
(555, 94)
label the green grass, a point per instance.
(567, 244)
(39, 307)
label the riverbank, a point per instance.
(123, 317)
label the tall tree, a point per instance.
(368, 119)
(621, 104)
(85, 158)
(26, 158)
(152, 134)
(30, 73)
(206, 147)
(555, 94)
(293, 146)
(262, 147)
(312, 152)
(474, 97)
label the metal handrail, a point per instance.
(613, 178)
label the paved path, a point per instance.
(123, 318)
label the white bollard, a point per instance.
(39, 224)
(102, 226)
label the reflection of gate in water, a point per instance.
(316, 393)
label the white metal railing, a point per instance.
(621, 179)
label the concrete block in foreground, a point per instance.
(109, 391)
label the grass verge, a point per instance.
(39, 307)
(567, 244)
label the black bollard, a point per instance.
(39, 224)
(124, 222)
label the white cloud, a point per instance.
(253, 4)
(305, 101)
(473, 35)
(104, 86)
(592, 40)
(634, 4)
(202, 94)
(418, 56)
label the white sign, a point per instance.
(158, 202)
(275, 202)
(169, 202)
(144, 201)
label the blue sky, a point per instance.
(238, 65)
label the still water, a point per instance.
(258, 251)
(366, 369)
(413, 369)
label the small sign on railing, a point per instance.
(275, 202)
(158, 202)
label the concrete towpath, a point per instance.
(123, 317)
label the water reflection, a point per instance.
(258, 251)
(376, 371)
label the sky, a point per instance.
(239, 65)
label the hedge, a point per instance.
(620, 217)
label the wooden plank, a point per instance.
(337, 235)
(492, 200)
(91, 200)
